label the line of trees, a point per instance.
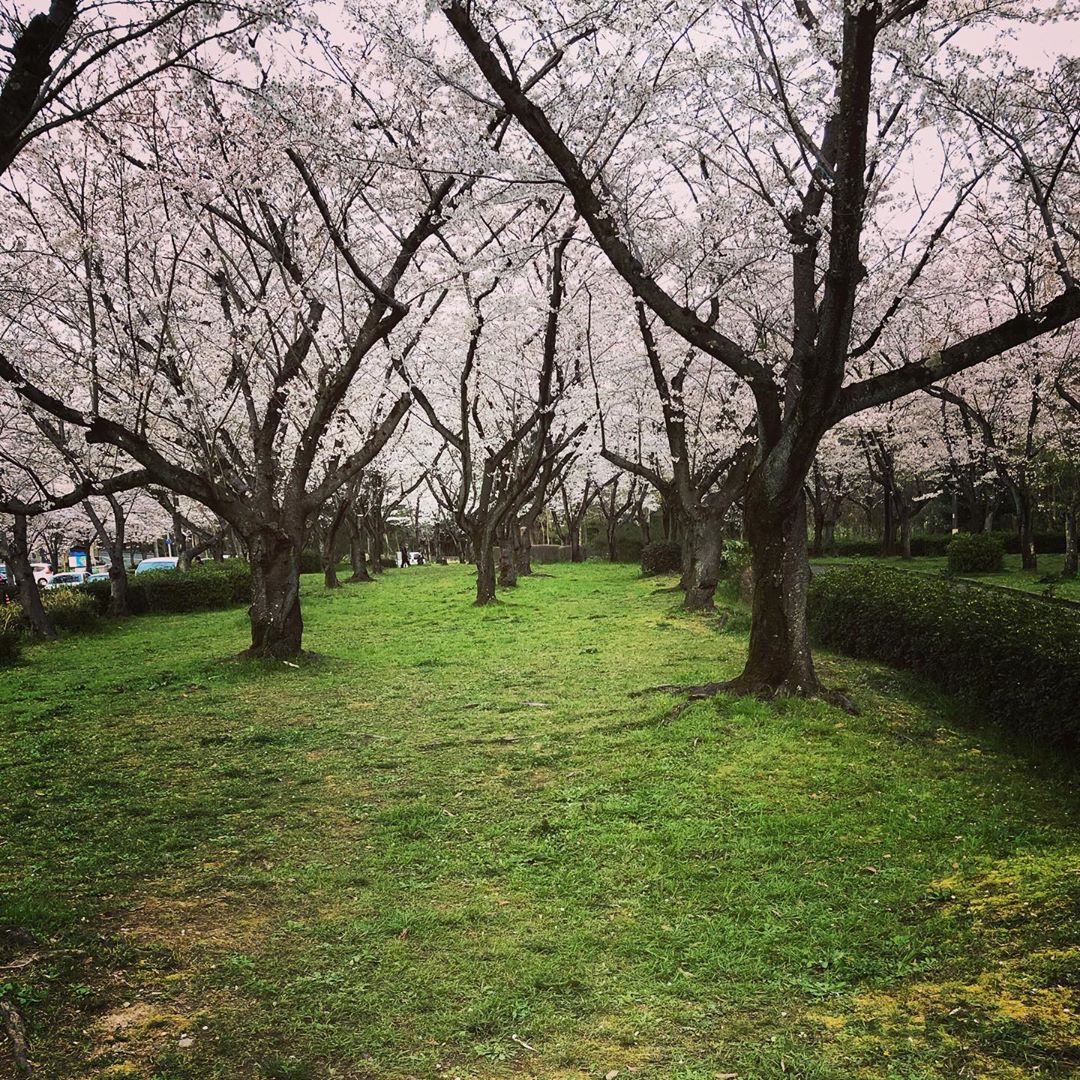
(731, 264)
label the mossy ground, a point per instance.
(453, 845)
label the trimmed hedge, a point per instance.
(205, 587)
(936, 544)
(1046, 543)
(975, 553)
(1014, 656)
(661, 557)
(921, 544)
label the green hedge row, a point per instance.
(936, 544)
(204, 587)
(1014, 656)
(922, 544)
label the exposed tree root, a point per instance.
(16, 952)
(15, 1030)
(741, 687)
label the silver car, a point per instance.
(161, 563)
(67, 579)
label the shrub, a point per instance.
(734, 560)
(853, 548)
(10, 632)
(70, 610)
(974, 553)
(310, 561)
(204, 587)
(1013, 655)
(661, 557)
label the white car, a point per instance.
(67, 579)
(163, 563)
(42, 572)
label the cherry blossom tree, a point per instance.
(802, 126)
(495, 403)
(68, 63)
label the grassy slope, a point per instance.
(455, 846)
(1012, 577)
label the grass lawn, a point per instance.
(454, 846)
(1011, 577)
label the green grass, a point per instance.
(1045, 580)
(455, 846)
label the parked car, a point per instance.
(163, 563)
(67, 579)
(99, 576)
(42, 573)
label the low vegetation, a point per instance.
(205, 587)
(1045, 581)
(1014, 656)
(975, 553)
(661, 557)
(454, 845)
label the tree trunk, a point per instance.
(29, 594)
(1026, 528)
(523, 550)
(779, 660)
(277, 626)
(1069, 567)
(485, 569)
(704, 570)
(330, 545)
(818, 546)
(829, 540)
(357, 554)
(888, 526)
(507, 569)
(577, 553)
(905, 530)
(612, 545)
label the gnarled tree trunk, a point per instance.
(277, 626)
(779, 660)
(507, 569)
(704, 545)
(29, 596)
(357, 554)
(483, 549)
